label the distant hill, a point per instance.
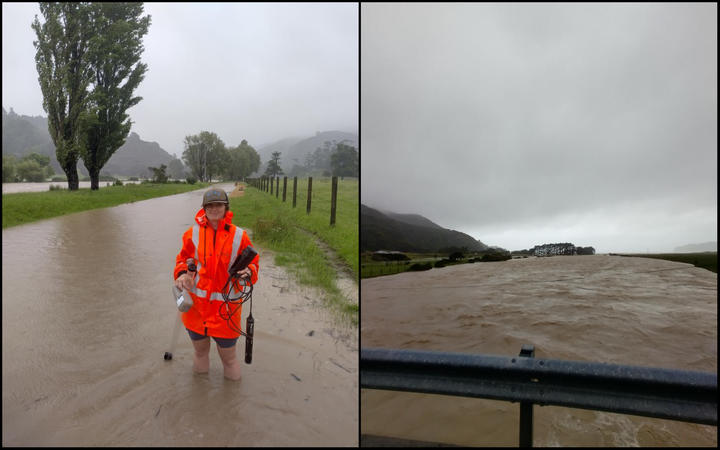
(22, 135)
(693, 248)
(382, 231)
(294, 150)
(413, 219)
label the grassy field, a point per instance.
(705, 260)
(26, 207)
(293, 233)
(371, 268)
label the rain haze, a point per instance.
(260, 72)
(526, 124)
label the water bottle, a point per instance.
(249, 330)
(182, 299)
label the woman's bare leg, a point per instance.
(201, 357)
(231, 364)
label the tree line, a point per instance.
(88, 63)
(207, 157)
(333, 159)
(32, 167)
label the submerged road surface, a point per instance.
(87, 315)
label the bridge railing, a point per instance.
(682, 395)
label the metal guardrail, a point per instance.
(682, 395)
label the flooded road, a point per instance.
(634, 311)
(88, 314)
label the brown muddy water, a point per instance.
(612, 309)
(44, 186)
(87, 314)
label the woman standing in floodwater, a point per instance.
(212, 243)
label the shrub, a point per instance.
(159, 175)
(118, 183)
(418, 267)
(133, 179)
(191, 180)
(455, 256)
(496, 257)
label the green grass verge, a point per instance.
(371, 268)
(705, 260)
(291, 233)
(26, 207)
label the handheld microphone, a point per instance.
(242, 260)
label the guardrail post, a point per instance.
(526, 408)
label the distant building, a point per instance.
(554, 249)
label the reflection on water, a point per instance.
(87, 315)
(633, 311)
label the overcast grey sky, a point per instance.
(524, 124)
(259, 71)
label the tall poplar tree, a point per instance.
(61, 55)
(114, 57)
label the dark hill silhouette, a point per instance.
(381, 231)
(413, 219)
(22, 135)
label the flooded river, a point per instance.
(612, 309)
(87, 315)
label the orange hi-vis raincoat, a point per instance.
(214, 251)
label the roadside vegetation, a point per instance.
(705, 260)
(293, 234)
(26, 207)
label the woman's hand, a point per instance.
(245, 273)
(184, 281)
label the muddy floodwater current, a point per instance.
(87, 315)
(612, 309)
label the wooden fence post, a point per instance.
(309, 194)
(294, 191)
(284, 188)
(333, 201)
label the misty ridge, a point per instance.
(389, 231)
(22, 135)
(307, 156)
(410, 233)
